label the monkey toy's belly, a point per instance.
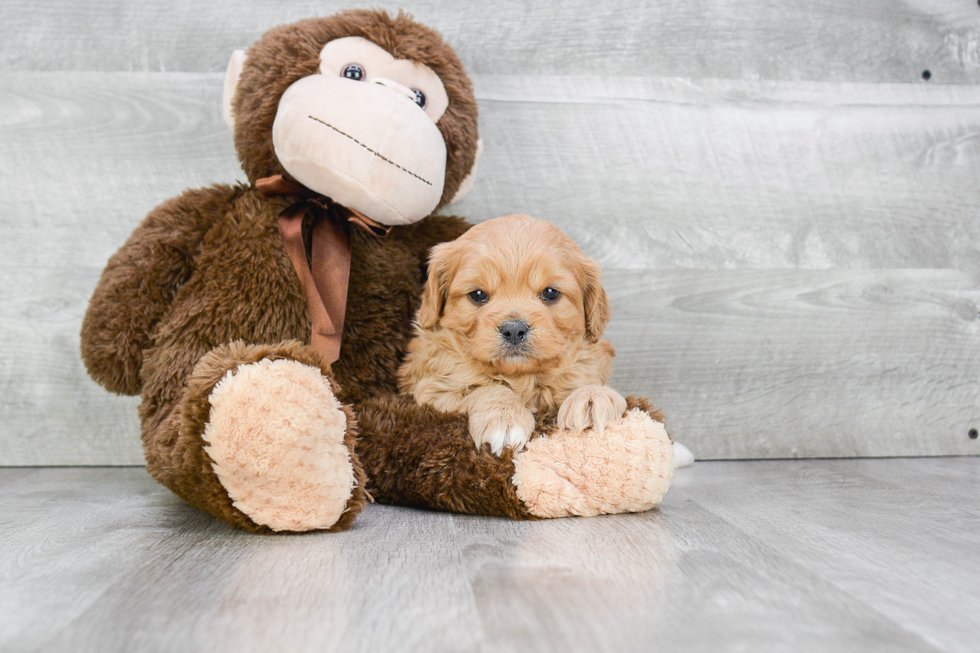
(244, 287)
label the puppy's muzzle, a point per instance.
(514, 333)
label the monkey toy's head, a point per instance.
(373, 111)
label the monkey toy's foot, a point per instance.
(626, 468)
(278, 441)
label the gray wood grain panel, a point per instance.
(81, 165)
(763, 556)
(808, 363)
(876, 40)
(715, 174)
(873, 184)
(97, 151)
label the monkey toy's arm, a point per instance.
(417, 456)
(141, 280)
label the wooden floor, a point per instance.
(822, 555)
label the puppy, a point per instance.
(510, 323)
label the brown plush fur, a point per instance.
(418, 456)
(127, 304)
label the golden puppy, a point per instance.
(510, 322)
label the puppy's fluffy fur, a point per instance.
(510, 323)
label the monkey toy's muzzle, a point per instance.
(364, 145)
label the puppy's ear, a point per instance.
(594, 300)
(441, 263)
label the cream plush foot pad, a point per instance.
(626, 469)
(276, 436)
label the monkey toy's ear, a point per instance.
(470, 178)
(231, 83)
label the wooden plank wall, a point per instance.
(785, 208)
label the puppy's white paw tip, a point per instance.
(515, 437)
(496, 440)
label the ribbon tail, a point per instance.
(324, 329)
(330, 265)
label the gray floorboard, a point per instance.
(817, 555)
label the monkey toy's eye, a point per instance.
(354, 71)
(479, 297)
(419, 97)
(550, 294)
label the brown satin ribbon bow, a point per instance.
(325, 275)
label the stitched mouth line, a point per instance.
(377, 154)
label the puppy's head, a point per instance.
(514, 293)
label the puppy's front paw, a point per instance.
(591, 406)
(502, 427)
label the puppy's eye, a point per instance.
(550, 294)
(479, 297)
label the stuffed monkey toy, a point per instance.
(263, 324)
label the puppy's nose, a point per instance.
(514, 331)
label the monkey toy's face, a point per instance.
(364, 132)
(376, 129)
